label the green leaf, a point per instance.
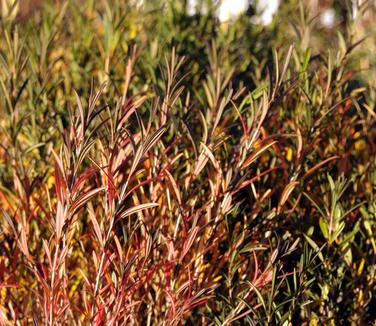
(324, 227)
(315, 247)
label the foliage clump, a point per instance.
(159, 167)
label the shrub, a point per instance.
(159, 167)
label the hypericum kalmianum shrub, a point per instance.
(159, 167)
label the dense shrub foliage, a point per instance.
(163, 168)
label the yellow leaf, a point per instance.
(359, 145)
(50, 181)
(361, 266)
(289, 154)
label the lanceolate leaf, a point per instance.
(137, 209)
(84, 198)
